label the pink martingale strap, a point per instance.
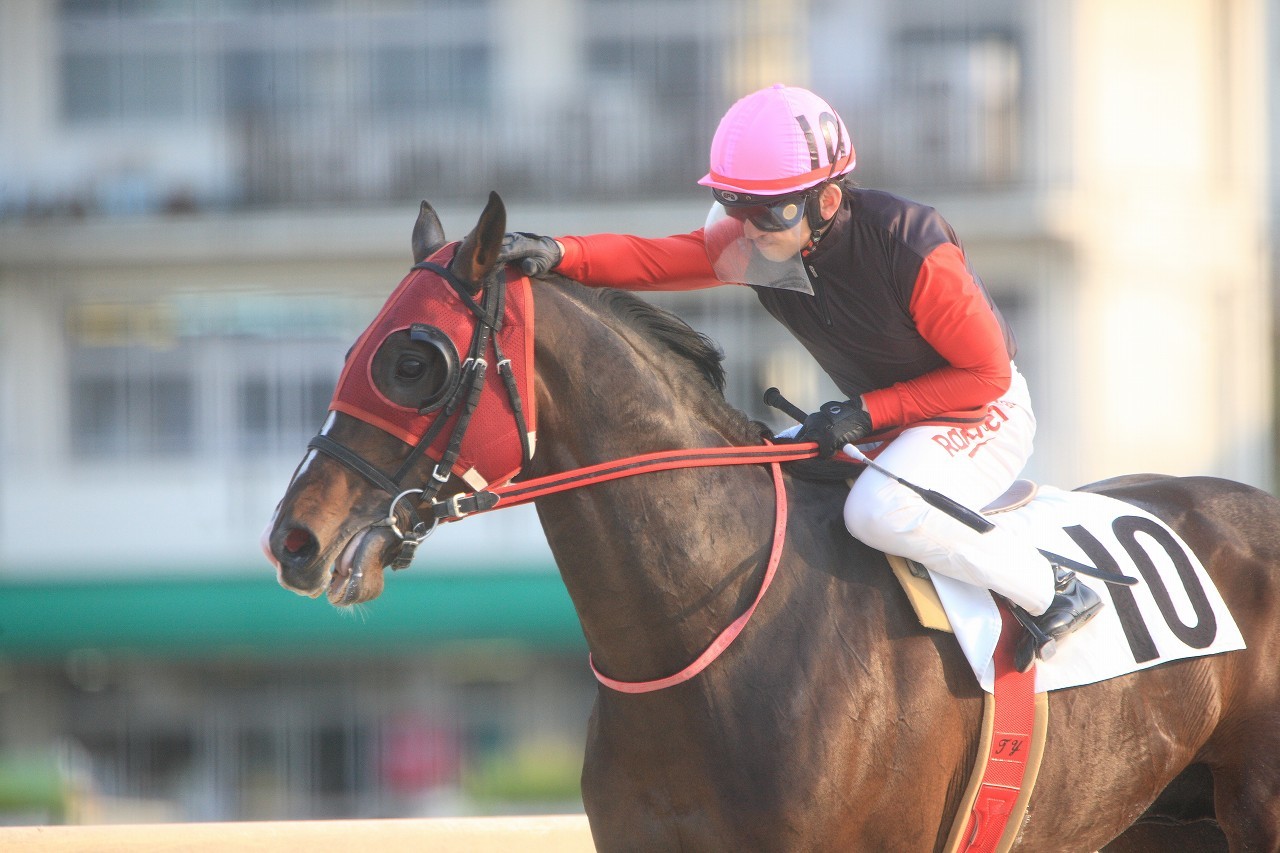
(514, 494)
(728, 635)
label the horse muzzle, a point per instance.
(357, 574)
(353, 576)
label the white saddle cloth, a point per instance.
(1174, 612)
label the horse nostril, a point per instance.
(299, 543)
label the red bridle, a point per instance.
(432, 298)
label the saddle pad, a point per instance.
(920, 591)
(1174, 612)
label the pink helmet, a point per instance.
(776, 141)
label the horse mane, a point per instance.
(669, 331)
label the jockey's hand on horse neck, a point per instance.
(835, 425)
(536, 254)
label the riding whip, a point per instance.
(773, 397)
(961, 513)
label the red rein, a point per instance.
(513, 494)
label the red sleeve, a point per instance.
(952, 314)
(638, 263)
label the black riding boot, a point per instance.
(1073, 605)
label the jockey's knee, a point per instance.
(879, 517)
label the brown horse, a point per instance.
(835, 722)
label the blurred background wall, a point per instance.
(203, 203)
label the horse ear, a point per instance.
(428, 234)
(478, 254)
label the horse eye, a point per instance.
(410, 367)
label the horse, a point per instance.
(835, 721)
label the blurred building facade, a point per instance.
(202, 204)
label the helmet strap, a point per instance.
(818, 229)
(815, 237)
(814, 217)
(813, 212)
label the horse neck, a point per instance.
(606, 390)
(658, 563)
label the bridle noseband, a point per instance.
(462, 402)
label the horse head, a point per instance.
(397, 432)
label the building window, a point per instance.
(955, 109)
(280, 413)
(144, 85)
(132, 402)
(331, 102)
(205, 374)
(411, 79)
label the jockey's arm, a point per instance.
(952, 314)
(638, 263)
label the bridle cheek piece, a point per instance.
(438, 428)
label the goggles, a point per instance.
(738, 259)
(764, 212)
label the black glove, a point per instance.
(536, 254)
(835, 425)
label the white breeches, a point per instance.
(972, 465)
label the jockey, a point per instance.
(879, 290)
